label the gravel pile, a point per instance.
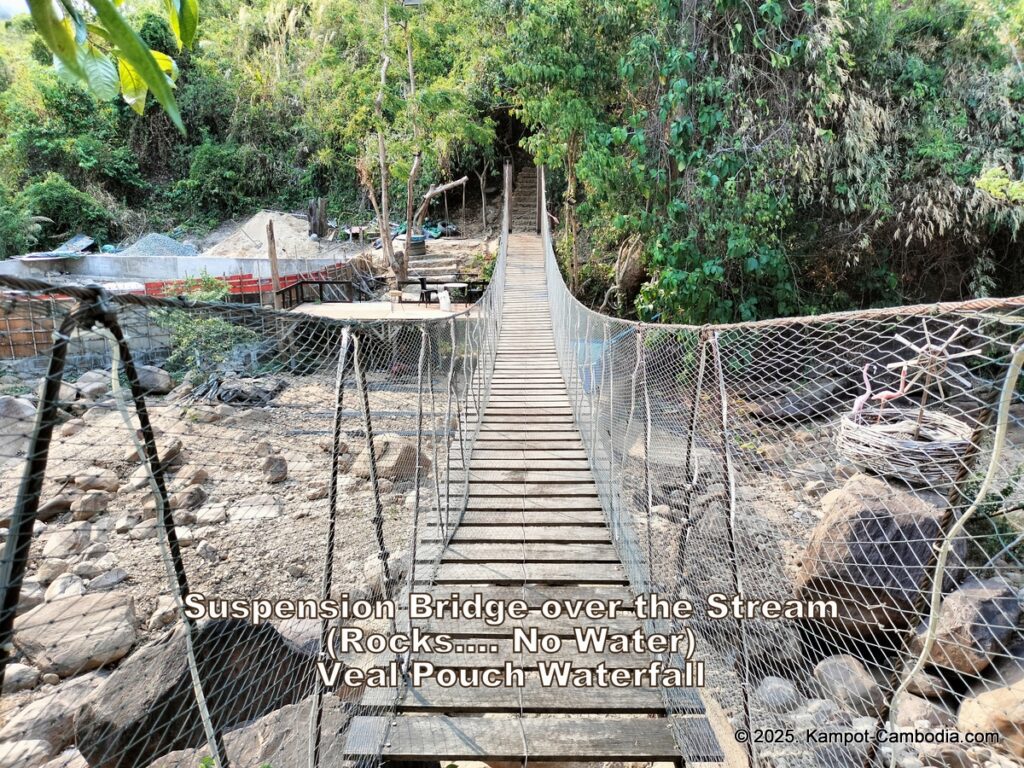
(155, 244)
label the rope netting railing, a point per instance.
(859, 474)
(196, 498)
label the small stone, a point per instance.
(58, 505)
(815, 488)
(803, 437)
(190, 474)
(86, 570)
(107, 580)
(31, 595)
(50, 679)
(154, 380)
(384, 485)
(90, 504)
(264, 449)
(98, 549)
(65, 585)
(72, 539)
(212, 514)
(316, 492)
(97, 479)
(275, 469)
(844, 679)
(189, 498)
(165, 613)
(295, 571)
(147, 529)
(126, 523)
(185, 537)
(252, 508)
(778, 694)
(50, 569)
(19, 677)
(107, 562)
(72, 427)
(206, 551)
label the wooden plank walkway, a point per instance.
(533, 530)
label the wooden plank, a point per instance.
(495, 452)
(489, 518)
(523, 534)
(530, 475)
(533, 697)
(548, 552)
(537, 465)
(533, 490)
(536, 739)
(525, 573)
(513, 510)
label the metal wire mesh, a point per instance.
(822, 459)
(182, 483)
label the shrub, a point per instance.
(18, 232)
(221, 180)
(201, 342)
(70, 210)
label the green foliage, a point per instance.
(200, 342)
(223, 180)
(998, 184)
(69, 210)
(18, 231)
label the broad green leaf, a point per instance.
(133, 87)
(183, 16)
(100, 73)
(135, 52)
(56, 33)
(166, 64)
(189, 13)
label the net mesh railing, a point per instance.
(262, 463)
(840, 463)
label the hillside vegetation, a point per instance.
(710, 161)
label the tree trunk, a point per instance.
(421, 212)
(483, 195)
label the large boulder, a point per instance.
(396, 460)
(869, 553)
(280, 738)
(976, 623)
(847, 681)
(147, 708)
(999, 710)
(48, 719)
(155, 381)
(17, 419)
(76, 634)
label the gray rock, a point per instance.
(86, 570)
(776, 694)
(111, 578)
(146, 708)
(147, 529)
(31, 595)
(999, 710)
(90, 504)
(975, 625)
(64, 586)
(72, 427)
(97, 479)
(804, 400)
(155, 381)
(844, 679)
(396, 460)
(17, 417)
(74, 635)
(49, 717)
(71, 540)
(19, 677)
(189, 498)
(212, 514)
(165, 613)
(50, 569)
(275, 469)
(868, 553)
(911, 710)
(253, 508)
(24, 753)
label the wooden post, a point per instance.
(275, 277)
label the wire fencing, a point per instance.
(846, 463)
(185, 486)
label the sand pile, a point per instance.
(291, 233)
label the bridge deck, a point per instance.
(533, 529)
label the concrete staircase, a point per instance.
(524, 200)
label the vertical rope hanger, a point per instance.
(167, 538)
(316, 707)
